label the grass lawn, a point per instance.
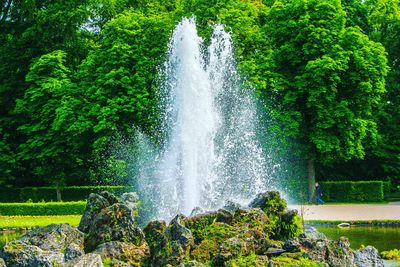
(33, 221)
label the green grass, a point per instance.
(35, 221)
(42, 208)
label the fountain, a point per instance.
(212, 153)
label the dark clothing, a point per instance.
(318, 191)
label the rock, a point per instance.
(55, 237)
(73, 251)
(275, 251)
(290, 225)
(270, 202)
(124, 252)
(292, 245)
(191, 264)
(231, 206)
(196, 211)
(131, 200)
(2, 263)
(367, 257)
(245, 243)
(334, 253)
(313, 233)
(155, 238)
(224, 216)
(19, 254)
(87, 260)
(177, 232)
(254, 219)
(176, 242)
(107, 219)
(45, 246)
(95, 203)
(198, 222)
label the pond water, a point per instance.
(381, 237)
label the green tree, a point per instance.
(328, 80)
(380, 19)
(385, 24)
(29, 29)
(117, 81)
(49, 151)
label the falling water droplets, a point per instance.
(212, 153)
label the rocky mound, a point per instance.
(265, 233)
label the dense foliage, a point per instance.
(49, 194)
(348, 191)
(78, 77)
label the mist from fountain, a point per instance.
(212, 153)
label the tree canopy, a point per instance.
(76, 75)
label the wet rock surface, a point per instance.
(367, 256)
(113, 223)
(124, 252)
(44, 246)
(264, 234)
(87, 260)
(108, 218)
(95, 203)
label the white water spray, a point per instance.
(212, 153)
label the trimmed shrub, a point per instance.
(42, 209)
(348, 191)
(49, 194)
(387, 187)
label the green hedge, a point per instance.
(348, 191)
(49, 194)
(42, 209)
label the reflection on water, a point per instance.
(391, 263)
(7, 236)
(381, 237)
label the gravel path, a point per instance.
(350, 212)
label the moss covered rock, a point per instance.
(270, 202)
(44, 246)
(127, 253)
(169, 244)
(114, 223)
(95, 203)
(209, 240)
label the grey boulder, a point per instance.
(367, 257)
(44, 246)
(87, 260)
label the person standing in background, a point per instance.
(318, 192)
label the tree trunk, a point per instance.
(58, 191)
(311, 180)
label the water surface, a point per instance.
(381, 237)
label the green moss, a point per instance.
(393, 254)
(107, 262)
(288, 226)
(197, 225)
(15, 247)
(244, 261)
(284, 261)
(252, 219)
(205, 251)
(211, 238)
